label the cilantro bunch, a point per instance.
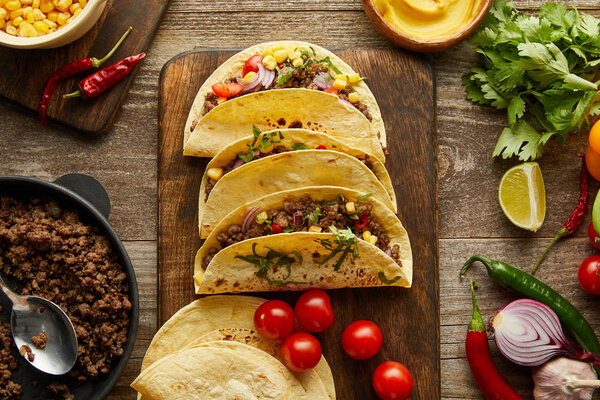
(543, 70)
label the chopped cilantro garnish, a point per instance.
(361, 198)
(283, 78)
(387, 281)
(290, 228)
(313, 50)
(313, 216)
(328, 61)
(345, 242)
(245, 157)
(271, 259)
(299, 146)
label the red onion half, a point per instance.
(529, 333)
(249, 218)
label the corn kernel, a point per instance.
(367, 236)
(11, 30)
(51, 24)
(26, 1)
(277, 47)
(342, 77)
(12, 5)
(267, 149)
(297, 62)
(315, 228)
(62, 18)
(214, 173)
(46, 6)
(354, 78)
(249, 76)
(63, 5)
(221, 100)
(42, 27)
(27, 30)
(350, 207)
(82, 3)
(35, 4)
(16, 13)
(269, 62)
(38, 15)
(267, 52)
(27, 10)
(53, 16)
(29, 18)
(339, 84)
(74, 7)
(17, 21)
(280, 55)
(77, 12)
(2, 23)
(373, 240)
(3, 14)
(262, 217)
(353, 97)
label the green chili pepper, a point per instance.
(512, 278)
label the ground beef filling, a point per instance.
(257, 155)
(52, 254)
(326, 216)
(9, 389)
(40, 340)
(300, 78)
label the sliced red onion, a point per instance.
(388, 252)
(323, 80)
(249, 218)
(347, 102)
(255, 81)
(529, 333)
(238, 163)
(267, 74)
(297, 218)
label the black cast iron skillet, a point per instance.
(88, 196)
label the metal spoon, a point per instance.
(32, 315)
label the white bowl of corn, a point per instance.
(45, 24)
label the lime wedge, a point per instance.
(522, 196)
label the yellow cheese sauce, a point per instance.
(429, 19)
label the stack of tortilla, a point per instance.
(209, 350)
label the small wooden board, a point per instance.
(409, 318)
(23, 73)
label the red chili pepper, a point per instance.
(68, 71)
(362, 222)
(276, 228)
(489, 380)
(101, 81)
(576, 216)
(321, 147)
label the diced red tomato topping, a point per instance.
(252, 64)
(331, 90)
(361, 222)
(227, 90)
(276, 228)
(321, 147)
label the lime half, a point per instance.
(522, 196)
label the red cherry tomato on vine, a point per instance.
(392, 381)
(362, 340)
(252, 64)
(592, 235)
(313, 311)
(274, 320)
(227, 90)
(589, 275)
(594, 137)
(592, 160)
(300, 351)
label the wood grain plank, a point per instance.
(411, 166)
(24, 73)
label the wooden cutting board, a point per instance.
(409, 318)
(23, 73)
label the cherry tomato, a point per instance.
(227, 90)
(592, 235)
(274, 320)
(301, 351)
(392, 381)
(331, 90)
(252, 64)
(592, 160)
(362, 340)
(313, 311)
(594, 137)
(589, 275)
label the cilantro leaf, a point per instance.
(522, 140)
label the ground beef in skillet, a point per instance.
(326, 214)
(40, 340)
(52, 254)
(9, 390)
(300, 78)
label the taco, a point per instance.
(223, 318)
(221, 370)
(272, 161)
(325, 237)
(283, 64)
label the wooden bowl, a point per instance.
(422, 45)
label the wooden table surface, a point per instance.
(470, 219)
